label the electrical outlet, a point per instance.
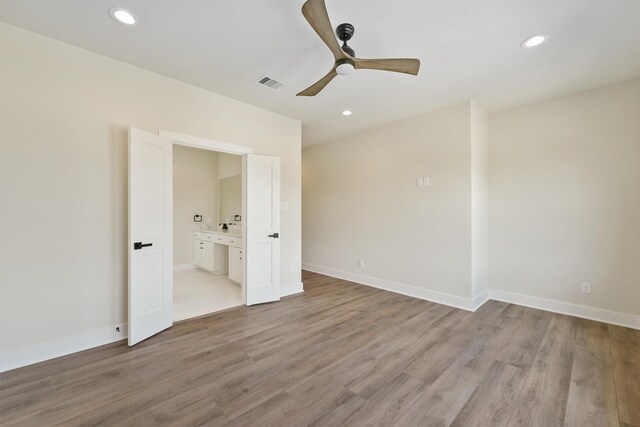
(585, 288)
(291, 270)
(361, 262)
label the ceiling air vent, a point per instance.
(267, 81)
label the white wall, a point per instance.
(360, 200)
(195, 191)
(229, 165)
(479, 200)
(565, 198)
(64, 115)
(525, 204)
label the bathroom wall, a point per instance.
(229, 165)
(195, 191)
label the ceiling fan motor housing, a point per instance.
(345, 32)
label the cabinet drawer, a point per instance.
(207, 237)
(235, 241)
(221, 240)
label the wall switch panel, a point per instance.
(423, 182)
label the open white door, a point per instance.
(150, 234)
(263, 228)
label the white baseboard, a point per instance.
(295, 288)
(600, 315)
(399, 288)
(40, 352)
(181, 267)
(583, 311)
(35, 353)
(479, 300)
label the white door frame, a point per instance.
(213, 145)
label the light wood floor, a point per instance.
(345, 354)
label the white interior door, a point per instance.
(150, 234)
(263, 227)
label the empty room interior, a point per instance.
(320, 213)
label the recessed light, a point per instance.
(534, 41)
(346, 113)
(122, 16)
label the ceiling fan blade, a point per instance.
(315, 88)
(398, 65)
(316, 13)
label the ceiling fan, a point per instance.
(316, 14)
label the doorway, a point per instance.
(207, 231)
(150, 237)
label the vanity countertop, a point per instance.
(224, 233)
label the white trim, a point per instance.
(399, 288)
(592, 313)
(479, 300)
(583, 311)
(35, 353)
(294, 288)
(181, 267)
(209, 144)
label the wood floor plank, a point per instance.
(192, 407)
(268, 413)
(331, 398)
(592, 398)
(388, 403)
(625, 351)
(542, 401)
(336, 416)
(493, 401)
(442, 401)
(344, 354)
(521, 346)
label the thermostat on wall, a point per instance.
(197, 218)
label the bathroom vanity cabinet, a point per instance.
(235, 264)
(219, 253)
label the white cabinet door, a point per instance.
(203, 254)
(207, 256)
(235, 264)
(197, 252)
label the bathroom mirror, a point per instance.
(230, 203)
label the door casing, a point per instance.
(209, 144)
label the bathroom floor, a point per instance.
(197, 292)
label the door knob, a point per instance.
(274, 235)
(140, 245)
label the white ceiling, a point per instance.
(468, 48)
